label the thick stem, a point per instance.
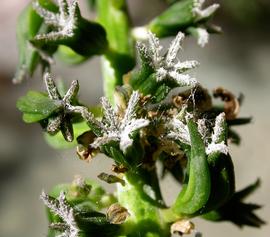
(141, 196)
(119, 58)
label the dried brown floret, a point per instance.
(231, 103)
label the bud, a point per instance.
(110, 179)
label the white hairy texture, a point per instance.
(168, 67)
(115, 128)
(61, 208)
(109, 114)
(218, 129)
(50, 18)
(179, 131)
(186, 65)
(183, 79)
(200, 13)
(203, 130)
(106, 138)
(174, 48)
(141, 47)
(131, 108)
(72, 91)
(133, 125)
(161, 74)
(203, 36)
(220, 147)
(65, 21)
(51, 87)
(155, 49)
(216, 145)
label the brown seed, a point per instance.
(116, 214)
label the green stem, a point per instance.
(141, 196)
(119, 58)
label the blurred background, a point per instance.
(239, 60)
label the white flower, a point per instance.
(200, 13)
(119, 129)
(65, 21)
(168, 67)
(61, 208)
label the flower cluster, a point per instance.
(116, 128)
(61, 208)
(168, 66)
(65, 21)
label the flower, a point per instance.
(65, 21)
(116, 128)
(168, 67)
(61, 121)
(61, 208)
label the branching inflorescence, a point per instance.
(61, 208)
(65, 21)
(146, 123)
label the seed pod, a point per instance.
(116, 214)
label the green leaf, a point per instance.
(234, 137)
(196, 190)
(36, 106)
(119, 60)
(239, 121)
(69, 56)
(238, 212)
(32, 118)
(87, 38)
(57, 141)
(176, 18)
(28, 25)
